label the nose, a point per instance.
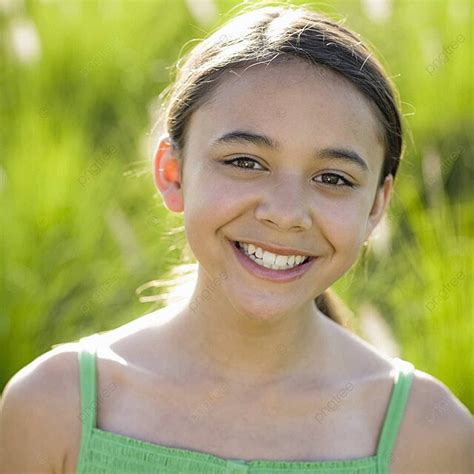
(283, 205)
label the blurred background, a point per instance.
(82, 226)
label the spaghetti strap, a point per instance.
(88, 383)
(394, 415)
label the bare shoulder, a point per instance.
(436, 433)
(40, 413)
(40, 408)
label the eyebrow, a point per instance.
(340, 153)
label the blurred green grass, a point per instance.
(82, 224)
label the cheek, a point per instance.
(209, 191)
(344, 224)
(209, 201)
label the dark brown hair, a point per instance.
(275, 34)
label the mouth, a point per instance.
(279, 268)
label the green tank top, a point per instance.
(104, 452)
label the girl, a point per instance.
(282, 142)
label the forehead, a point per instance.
(298, 104)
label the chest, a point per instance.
(236, 423)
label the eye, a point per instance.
(332, 179)
(242, 159)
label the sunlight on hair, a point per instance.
(177, 289)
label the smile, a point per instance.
(271, 260)
(270, 266)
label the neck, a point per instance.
(253, 348)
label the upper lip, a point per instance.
(276, 248)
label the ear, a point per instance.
(167, 175)
(381, 201)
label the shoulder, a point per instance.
(40, 412)
(436, 433)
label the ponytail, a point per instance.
(332, 306)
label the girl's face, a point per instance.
(296, 193)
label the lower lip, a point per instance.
(282, 276)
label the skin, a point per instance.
(272, 356)
(285, 203)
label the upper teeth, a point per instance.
(271, 259)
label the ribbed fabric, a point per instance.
(104, 452)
